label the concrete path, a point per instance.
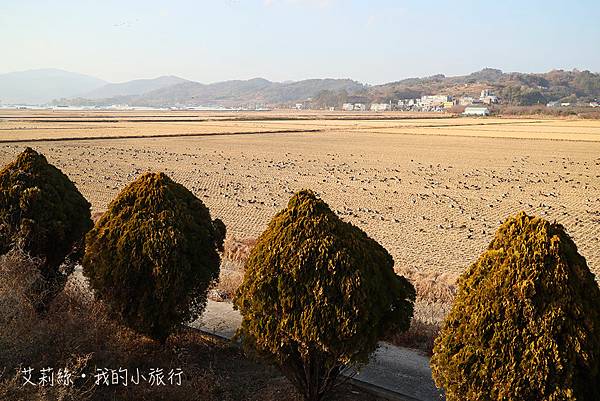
(219, 318)
(401, 371)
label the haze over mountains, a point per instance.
(135, 87)
(252, 92)
(57, 87)
(44, 85)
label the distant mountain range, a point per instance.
(133, 88)
(57, 87)
(257, 91)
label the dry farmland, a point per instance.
(431, 190)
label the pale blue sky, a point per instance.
(371, 41)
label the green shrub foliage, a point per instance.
(153, 255)
(525, 324)
(317, 295)
(44, 215)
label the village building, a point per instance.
(381, 107)
(476, 111)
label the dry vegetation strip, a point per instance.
(78, 334)
(133, 136)
(24, 129)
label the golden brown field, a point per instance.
(431, 190)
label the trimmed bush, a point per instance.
(153, 255)
(525, 324)
(318, 294)
(44, 215)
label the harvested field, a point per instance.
(431, 190)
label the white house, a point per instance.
(476, 111)
(489, 99)
(381, 107)
(347, 107)
(434, 100)
(466, 100)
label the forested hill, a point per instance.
(512, 88)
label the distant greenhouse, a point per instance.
(476, 111)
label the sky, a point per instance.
(371, 41)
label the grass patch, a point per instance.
(78, 334)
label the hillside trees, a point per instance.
(330, 98)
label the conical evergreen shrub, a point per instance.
(525, 324)
(153, 255)
(318, 294)
(44, 215)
